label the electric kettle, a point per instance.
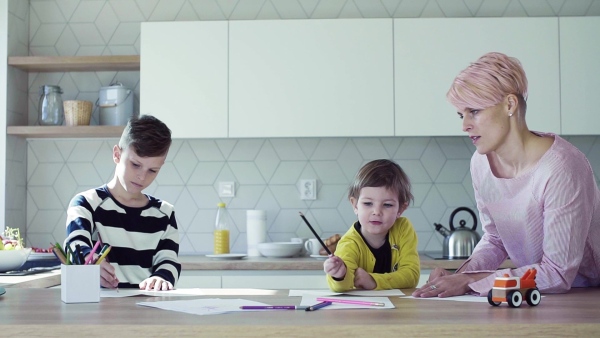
(459, 242)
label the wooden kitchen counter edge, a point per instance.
(196, 262)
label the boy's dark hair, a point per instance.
(147, 136)
(383, 173)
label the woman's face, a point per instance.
(487, 128)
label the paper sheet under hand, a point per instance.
(112, 293)
(364, 293)
(202, 307)
(308, 300)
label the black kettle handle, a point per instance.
(457, 210)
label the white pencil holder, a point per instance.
(80, 283)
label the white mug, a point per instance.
(313, 246)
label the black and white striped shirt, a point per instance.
(144, 241)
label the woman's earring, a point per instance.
(511, 114)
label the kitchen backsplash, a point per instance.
(42, 175)
(266, 173)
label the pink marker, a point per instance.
(348, 301)
(91, 256)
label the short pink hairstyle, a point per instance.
(487, 81)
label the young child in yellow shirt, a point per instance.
(379, 251)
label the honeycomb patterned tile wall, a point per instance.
(42, 175)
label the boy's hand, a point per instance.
(108, 278)
(155, 283)
(363, 280)
(335, 267)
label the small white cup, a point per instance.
(313, 246)
(302, 240)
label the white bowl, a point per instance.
(280, 249)
(13, 259)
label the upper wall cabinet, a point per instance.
(580, 75)
(183, 77)
(311, 78)
(429, 53)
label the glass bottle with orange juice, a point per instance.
(221, 235)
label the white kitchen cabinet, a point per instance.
(429, 53)
(183, 76)
(253, 279)
(311, 78)
(189, 279)
(580, 75)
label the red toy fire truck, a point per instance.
(511, 290)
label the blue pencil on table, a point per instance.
(318, 306)
(272, 307)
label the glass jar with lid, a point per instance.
(50, 108)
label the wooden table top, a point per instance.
(28, 312)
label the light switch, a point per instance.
(226, 189)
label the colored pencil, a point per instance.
(318, 306)
(316, 235)
(348, 301)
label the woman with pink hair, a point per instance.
(537, 198)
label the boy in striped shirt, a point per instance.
(141, 229)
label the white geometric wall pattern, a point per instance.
(266, 171)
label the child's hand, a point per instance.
(108, 278)
(155, 283)
(335, 267)
(363, 280)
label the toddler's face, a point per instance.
(377, 209)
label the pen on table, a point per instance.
(91, 256)
(104, 254)
(318, 306)
(316, 235)
(272, 307)
(348, 301)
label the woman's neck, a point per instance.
(518, 154)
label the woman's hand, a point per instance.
(442, 284)
(108, 278)
(155, 283)
(335, 267)
(363, 280)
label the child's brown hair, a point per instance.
(147, 136)
(383, 173)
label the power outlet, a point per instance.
(226, 189)
(308, 189)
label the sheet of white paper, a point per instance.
(366, 293)
(308, 300)
(108, 293)
(210, 306)
(464, 298)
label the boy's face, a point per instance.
(377, 209)
(136, 173)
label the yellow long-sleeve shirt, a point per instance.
(355, 253)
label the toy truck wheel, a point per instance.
(533, 297)
(491, 301)
(514, 298)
